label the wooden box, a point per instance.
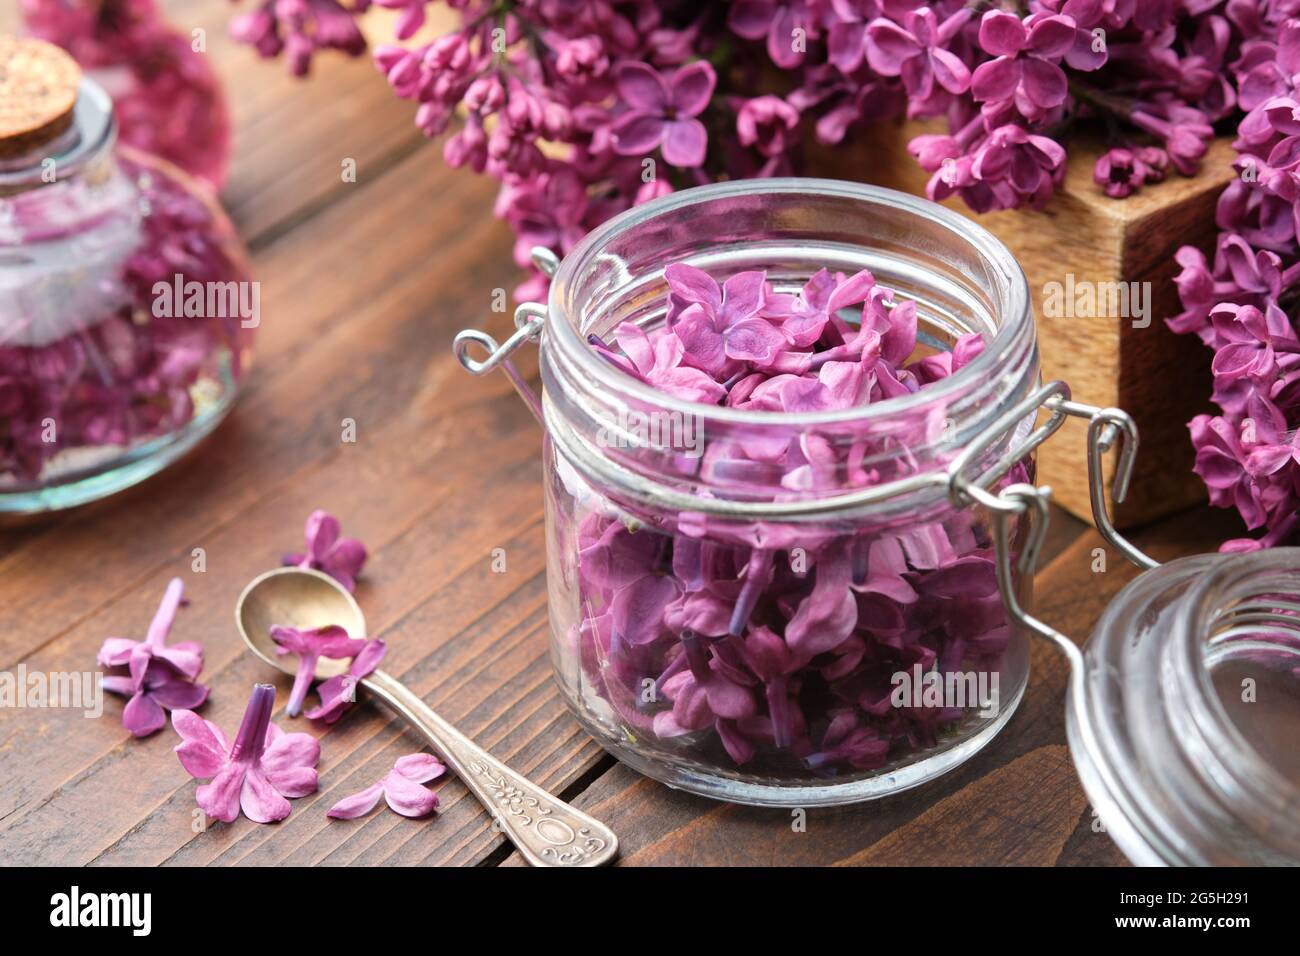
(1085, 237)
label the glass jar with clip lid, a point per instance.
(835, 636)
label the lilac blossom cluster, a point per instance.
(780, 642)
(582, 109)
(1241, 301)
(128, 375)
(165, 93)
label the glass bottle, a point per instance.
(126, 307)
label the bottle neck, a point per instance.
(86, 145)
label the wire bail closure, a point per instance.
(530, 317)
(1105, 427)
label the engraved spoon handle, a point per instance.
(547, 831)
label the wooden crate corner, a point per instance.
(1091, 240)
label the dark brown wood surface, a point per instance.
(364, 285)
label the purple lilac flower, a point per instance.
(1029, 164)
(767, 123)
(662, 112)
(1026, 66)
(311, 645)
(917, 52)
(340, 558)
(153, 691)
(774, 22)
(701, 635)
(259, 773)
(1121, 172)
(157, 675)
(721, 324)
(658, 363)
(401, 788)
(1185, 132)
(339, 693)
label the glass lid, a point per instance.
(1184, 724)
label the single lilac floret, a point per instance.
(258, 773)
(340, 558)
(311, 645)
(158, 676)
(401, 788)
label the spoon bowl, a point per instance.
(300, 598)
(545, 829)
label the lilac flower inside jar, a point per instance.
(788, 601)
(126, 310)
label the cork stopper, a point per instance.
(38, 91)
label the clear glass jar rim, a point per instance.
(1220, 585)
(1013, 306)
(1139, 695)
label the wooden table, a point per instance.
(364, 285)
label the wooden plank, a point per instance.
(292, 134)
(1018, 801)
(988, 820)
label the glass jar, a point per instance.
(126, 314)
(725, 633)
(1183, 722)
(682, 575)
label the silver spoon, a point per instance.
(547, 831)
